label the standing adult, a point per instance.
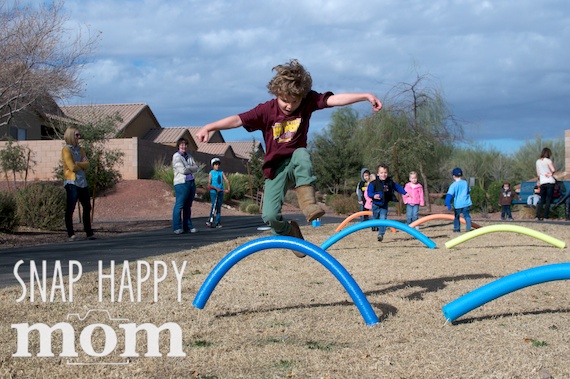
(75, 164)
(544, 171)
(184, 187)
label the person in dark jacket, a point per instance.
(506, 201)
(381, 190)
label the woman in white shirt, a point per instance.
(544, 171)
(184, 187)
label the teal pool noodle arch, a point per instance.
(282, 242)
(370, 223)
(503, 286)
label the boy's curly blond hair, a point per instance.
(291, 80)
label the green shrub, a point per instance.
(494, 193)
(479, 199)
(244, 204)
(252, 209)
(41, 205)
(239, 185)
(164, 173)
(329, 199)
(344, 205)
(8, 218)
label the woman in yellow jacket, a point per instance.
(75, 182)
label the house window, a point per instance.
(19, 134)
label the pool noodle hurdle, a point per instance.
(388, 223)
(503, 286)
(282, 242)
(352, 217)
(505, 228)
(441, 216)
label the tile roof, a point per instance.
(220, 149)
(243, 148)
(169, 136)
(127, 112)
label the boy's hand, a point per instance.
(203, 134)
(376, 103)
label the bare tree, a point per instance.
(430, 124)
(40, 59)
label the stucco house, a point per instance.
(139, 136)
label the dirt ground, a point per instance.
(273, 315)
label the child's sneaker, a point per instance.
(208, 224)
(380, 238)
(219, 226)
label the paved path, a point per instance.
(129, 246)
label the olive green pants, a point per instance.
(296, 171)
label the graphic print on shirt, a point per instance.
(284, 131)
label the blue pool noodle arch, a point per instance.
(503, 286)
(367, 224)
(282, 242)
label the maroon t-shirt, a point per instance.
(283, 134)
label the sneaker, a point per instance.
(511, 219)
(380, 238)
(91, 237)
(178, 231)
(72, 238)
(457, 231)
(219, 226)
(374, 228)
(208, 224)
(193, 230)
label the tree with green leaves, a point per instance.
(415, 132)
(255, 171)
(103, 172)
(15, 159)
(524, 160)
(336, 156)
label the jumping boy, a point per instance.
(284, 122)
(459, 192)
(381, 190)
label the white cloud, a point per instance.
(502, 65)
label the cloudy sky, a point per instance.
(502, 65)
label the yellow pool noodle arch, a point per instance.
(505, 228)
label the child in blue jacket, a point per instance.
(459, 192)
(381, 190)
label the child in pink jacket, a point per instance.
(415, 197)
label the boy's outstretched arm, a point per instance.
(351, 98)
(230, 122)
